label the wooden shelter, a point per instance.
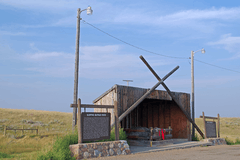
(157, 110)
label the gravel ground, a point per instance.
(223, 152)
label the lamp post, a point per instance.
(192, 93)
(75, 93)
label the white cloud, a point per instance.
(95, 62)
(229, 43)
(177, 18)
(12, 33)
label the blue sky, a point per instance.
(37, 51)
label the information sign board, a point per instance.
(211, 129)
(95, 126)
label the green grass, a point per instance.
(60, 149)
(196, 138)
(4, 155)
(230, 142)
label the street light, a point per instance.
(192, 95)
(75, 93)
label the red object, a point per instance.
(159, 133)
(163, 137)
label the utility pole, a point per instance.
(192, 93)
(75, 94)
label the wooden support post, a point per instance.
(22, 130)
(79, 122)
(36, 130)
(4, 132)
(116, 121)
(204, 126)
(218, 124)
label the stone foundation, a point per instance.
(215, 141)
(99, 149)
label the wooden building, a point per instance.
(157, 110)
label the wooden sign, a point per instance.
(211, 129)
(95, 126)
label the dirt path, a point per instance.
(223, 152)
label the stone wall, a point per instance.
(99, 149)
(215, 141)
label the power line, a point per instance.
(132, 44)
(216, 66)
(155, 52)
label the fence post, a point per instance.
(79, 125)
(22, 130)
(218, 124)
(5, 128)
(36, 130)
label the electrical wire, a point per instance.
(132, 44)
(216, 66)
(155, 52)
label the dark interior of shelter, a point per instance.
(161, 114)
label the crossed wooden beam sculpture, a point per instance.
(160, 81)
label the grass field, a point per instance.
(53, 124)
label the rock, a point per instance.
(99, 148)
(123, 152)
(126, 146)
(111, 152)
(90, 151)
(111, 145)
(85, 155)
(119, 152)
(119, 145)
(105, 147)
(96, 153)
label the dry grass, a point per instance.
(229, 127)
(50, 125)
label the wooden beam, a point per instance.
(129, 110)
(209, 117)
(204, 125)
(92, 106)
(116, 121)
(79, 122)
(171, 95)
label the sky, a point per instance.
(38, 40)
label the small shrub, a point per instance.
(4, 155)
(228, 141)
(60, 149)
(195, 138)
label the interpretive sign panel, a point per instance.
(211, 129)
(95, 126)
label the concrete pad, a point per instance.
(189, 144)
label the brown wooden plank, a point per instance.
(209, 117)
(155, 115)
(150, 116)
(161, 118)
(96, 106)
(116, 121)
(145, 115)
(79, 122)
